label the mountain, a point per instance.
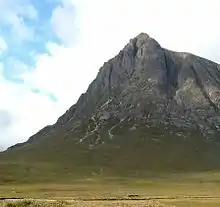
(148, 108)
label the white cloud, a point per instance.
(30, 111)
(103, 28)
(13, 15)
(58, 72)
(16, 67)
(25, 112)
(22, 31)
(63, 23)
(179, 25)
(1, 71)
(3, 45)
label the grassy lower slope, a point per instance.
(129, 153)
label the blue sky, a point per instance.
(50, 50)
(31, 37)
(31, 21)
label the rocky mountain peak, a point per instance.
(142, 44)
(150, 85)
(142, 37)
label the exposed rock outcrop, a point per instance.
(153, 85)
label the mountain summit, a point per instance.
(148, 107)
(148, 83)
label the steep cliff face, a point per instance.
(145, 91)
(149, 83)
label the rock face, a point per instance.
(146, 102)
(144, 85)
(147, 82)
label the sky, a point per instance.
(50, 50)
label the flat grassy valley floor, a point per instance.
(186, 189)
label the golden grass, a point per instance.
(83, 204)
(188, 190)
(91, 189)
(124, 203)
